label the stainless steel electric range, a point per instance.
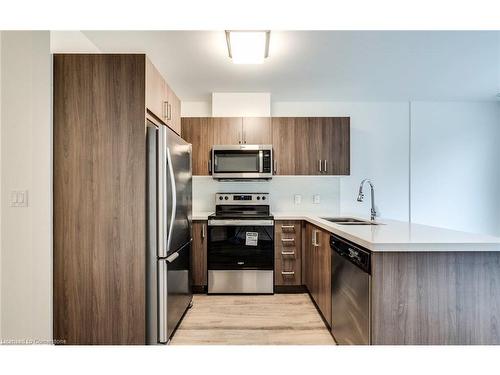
(240, 253)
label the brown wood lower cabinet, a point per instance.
(317, 278)
(199, 254)
(288, 253)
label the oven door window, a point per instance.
(240, 247)
(236, 161)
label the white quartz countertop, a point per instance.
(394, 235)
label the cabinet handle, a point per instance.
(209, 166)
(287, 273)
(203, 231)
(288, 239)
(275, 168)
(326, 167)
(240, 137)
(319, 166)
(287, 227)
(169, 111)
(313, 237)
(243, 136)
(164, 110)
(288, 253)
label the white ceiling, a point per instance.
(325, 65)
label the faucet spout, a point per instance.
(373, 212)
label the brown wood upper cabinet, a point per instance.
(256, 131)
(199, 131)
(302, 145)
(238, 130)
(311, 145)
(161, 100)
(317, 268)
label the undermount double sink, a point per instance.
(349, 221)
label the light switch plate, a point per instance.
(18, 198)
(298, 199)
(316, 199)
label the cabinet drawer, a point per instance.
(288, 252)
(287, 271)
(288, 228)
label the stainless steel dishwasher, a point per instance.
(351, 277)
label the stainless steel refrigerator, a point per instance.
(169, 195)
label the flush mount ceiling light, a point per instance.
(248, 47)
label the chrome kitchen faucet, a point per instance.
(361, 196)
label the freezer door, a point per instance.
(178, 191)
(174, 291)
(162, 302)
(179, 286)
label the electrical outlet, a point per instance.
(298, 199)
(18, 198)
(316, 199)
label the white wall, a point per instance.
(241, 104)
(282, 190)
(455, 153)
(71, 42)
(26, 164)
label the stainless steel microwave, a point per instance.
(242, 161)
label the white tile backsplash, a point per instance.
(282, 189)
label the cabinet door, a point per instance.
(336, 145)
(283, 129)
(199, 254)
(173, 110)
(309, 259)
(323, 271)
(227, 130)
(200, 132)
(308, 145)
(156, 95)
(257, 131)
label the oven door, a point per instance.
(240, 256)
(247, 161)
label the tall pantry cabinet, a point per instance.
(99, 203)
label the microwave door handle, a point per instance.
(174, 198)
(261, 161)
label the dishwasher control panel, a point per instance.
(359, 256)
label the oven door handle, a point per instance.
(242, 222)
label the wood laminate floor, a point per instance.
(280, 319)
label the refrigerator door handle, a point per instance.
(162, 294)
(174, 198)
(162, 193)
(173, 257)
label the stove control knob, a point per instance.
(263, 198)
(258, 198)
(220, 198)
(226, 197)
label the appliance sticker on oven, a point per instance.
(252, 238)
